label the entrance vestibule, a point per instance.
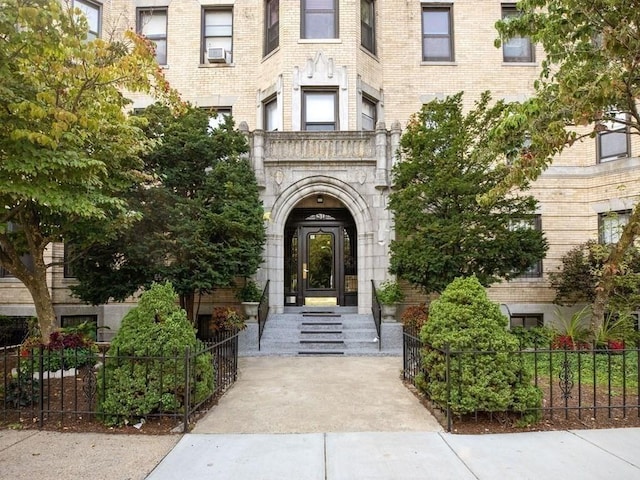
(320, 261)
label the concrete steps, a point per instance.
(326, 331)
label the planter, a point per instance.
(251, 311)
(389, 313)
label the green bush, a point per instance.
(145, 369)
(463, 319)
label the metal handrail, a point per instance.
(376, 309)
(263, 312)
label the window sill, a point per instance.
(370, 53)
(319, 40)
(271, 54)
(438, 63)
(519, 64)
(216, 65)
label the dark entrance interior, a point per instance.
(320, 264)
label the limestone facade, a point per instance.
(369, 73)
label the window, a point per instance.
(152, 23)
(319, 19)
(517, 49)
(611, 225)
(368, 114)
(218, 117)
(272, 26)
(271, 114)
(217, 36)
(26, 259)
(92, 12)
(69, 255)
(367, 25)
(613, 139)
(528, 320)
(437, 34)
(319, 110)
(535, 223)
(67, 321)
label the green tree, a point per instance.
(442, 230)
(67, 148)
(201, 222)
(590, 73)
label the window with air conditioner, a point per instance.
(217, 36)
(152, 23)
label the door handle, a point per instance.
(305, 270)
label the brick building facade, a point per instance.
(323, 90)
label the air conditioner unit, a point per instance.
(218, 55)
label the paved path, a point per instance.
(575, 455)
(317, 395)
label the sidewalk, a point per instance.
(291, 418)
(579, 455)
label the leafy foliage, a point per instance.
(389, 293)
(582, 267)
(146, 373)
(590, 72)
(414, 317)
(201, 221)
(250, 292)
(442, 230)
(63, 351)
(485, 374)
(67, 148)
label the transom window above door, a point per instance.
(319, 110)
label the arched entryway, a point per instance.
(320, 257)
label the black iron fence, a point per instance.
(263, 312)
(588, 385)
(38, 388)
(376, 309)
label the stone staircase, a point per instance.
(326, 331)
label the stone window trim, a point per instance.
(431, 34)
(309, 27)
(144, 16)
(510, 54)
(271, 26)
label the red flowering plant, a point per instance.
(66, 349)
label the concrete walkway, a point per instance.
(317, 395)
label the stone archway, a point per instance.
(282, 208)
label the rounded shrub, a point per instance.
(486, 374)
(145, 368)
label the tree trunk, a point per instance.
(611, 268)
(36, 283)
(187, 302)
